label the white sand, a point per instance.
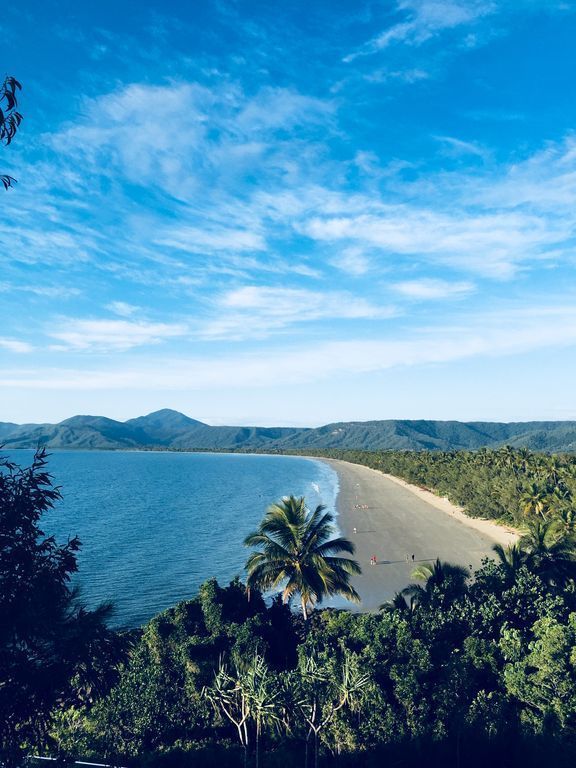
(501, 534)
(402, 525)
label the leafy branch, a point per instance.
(10, 119)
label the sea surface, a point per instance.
(155, 525)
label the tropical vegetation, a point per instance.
(514, 486)
(460, 669)
(296, 551)
(53, 652)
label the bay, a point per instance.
(155, 525)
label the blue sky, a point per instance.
(290, 213)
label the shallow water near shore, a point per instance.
(155, 525)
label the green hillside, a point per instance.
(170, 429)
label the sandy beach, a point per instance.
(403, 525)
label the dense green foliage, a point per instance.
(464, 673)
(51, 649)
(459, 670)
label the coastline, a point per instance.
(403, 525)
(502, 534)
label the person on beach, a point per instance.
(354, 529)
(412, 558)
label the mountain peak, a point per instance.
(167, 416)
(162, 426)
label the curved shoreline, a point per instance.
(502, 534)
(401, 525)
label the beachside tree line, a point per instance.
(457, 669)
(514, 486)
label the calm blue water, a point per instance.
(154, 526)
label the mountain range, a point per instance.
(168, 429)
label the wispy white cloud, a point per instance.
(410, 75)
(492, 245)
(123, 309)
(112, 335)
(430, 288)
(544, 182)
(352, 261)
(196, 240)
(17, 346)
(175, 136)
(425, 19)
(258, 311)
(459, 147)
(44, 291)
(493, 334)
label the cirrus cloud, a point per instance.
(112, 335)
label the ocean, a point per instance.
(155, 525)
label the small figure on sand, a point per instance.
(373, 560)
(354, 529)
(412, 557)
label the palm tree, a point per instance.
(511, 559)
(446, 578)
(524, 457)
(505, 457)
(535, 501)
(398, 603)
(548, 553)
(565, 522)
(296, 550)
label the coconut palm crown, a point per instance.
(443, 582)
(295, 550)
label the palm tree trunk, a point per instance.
(304, 611)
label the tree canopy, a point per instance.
(477, 669)
(48, 640)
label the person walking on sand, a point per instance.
(412, 557)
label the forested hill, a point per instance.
(170, 429)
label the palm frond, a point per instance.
(295, 549)
(334, 546)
